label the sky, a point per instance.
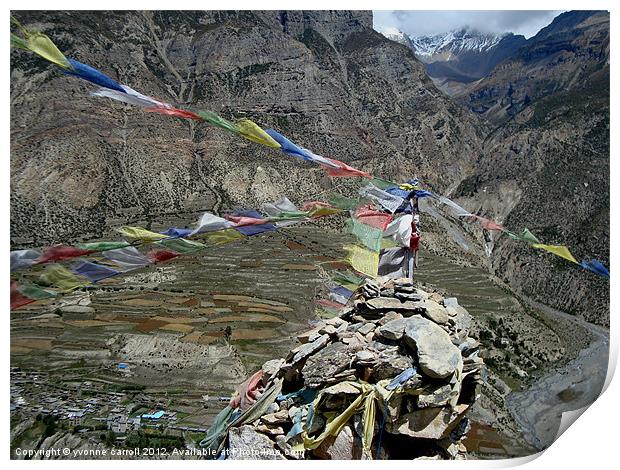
(429, 23)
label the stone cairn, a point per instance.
(395, 337)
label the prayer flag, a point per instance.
(61, 252)
(140, 233)
(210, 222)
(388, 201)
(130, 96)
(177, 232)
(101, 246)
(525, 236)
(180, 113)
(596, 267)
(216, 120)
(23, 258)
(41, 45)
(222, 237)
(251, 131)
(393, 262)
(343, 170)
(159, 256)
(367, 215)
(36, 293)
(560, 251)
(61, 277)
(17, 298)
(369, 236)
(91, 74)
(363, 260)
(92, 271)
(400, 229)
(128, 258)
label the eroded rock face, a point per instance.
(247, 444)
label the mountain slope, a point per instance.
(81, 165)
(562, 56)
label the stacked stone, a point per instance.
(392, 328)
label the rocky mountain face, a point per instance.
(80, 165)
(546, 165)
(565, 55)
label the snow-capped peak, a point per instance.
(447, 45)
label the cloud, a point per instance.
(428, 23)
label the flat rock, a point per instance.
(247, 444)
(434, 397)
(437, 356)
(308, 349)
(321, 367)
(310, 335)
(435, 312)
(394, 329)
(428, 423)
(389, 303)
(343, 388)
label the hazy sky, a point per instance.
(428, 23)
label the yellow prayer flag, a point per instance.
(560, 251)
(321, 211)
(59, 276)
(41, 45)
(221, 237)
(140, 234)
(253, 132)
(363, 260)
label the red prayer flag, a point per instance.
(61, 252)
(159, 256)
(240, 221)
(367, 215)
(343, 170)
(17, 298)
(489, 224)
(180, 113)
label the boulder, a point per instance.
(435, 396)
(393, 330)
(435, 312)
(321, 367)
(307, 349)
(428, 423)
(437, 356)
(247, 444)
(340, 447)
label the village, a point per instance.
(115, 417)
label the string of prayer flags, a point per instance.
(363, 260)
(93, 271)
(23, 258)
(60, 277)
(251, 131)
(140, 233)
(127, 258)
(596, 267)
(159, 256)
(60, 253)
(560, 251)
(91, 74)
(40, 44)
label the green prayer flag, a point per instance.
(216, 120)
(36, 293)
(61, 277)
(525, 236)
(370, 237)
